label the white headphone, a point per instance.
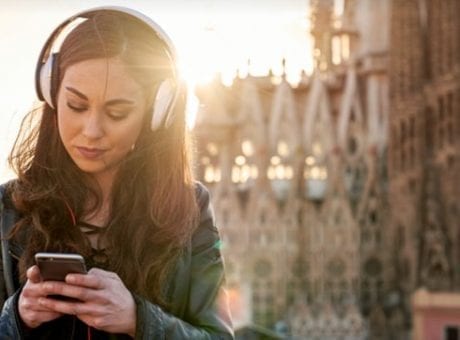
(167, 93)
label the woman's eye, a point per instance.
(76, 108)
(117, 115)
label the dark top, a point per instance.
(199, 308)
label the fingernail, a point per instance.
(70, 278)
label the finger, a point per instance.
(36, 318)
(103, 273)
(36, 307)
(72, 308)
(68, 290)
(96, 320)
(33, 274)
(94, 279)
(30, 304)
(47, 315)
(32, 290)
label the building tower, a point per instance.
(423, 150)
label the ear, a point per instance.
(163, 104)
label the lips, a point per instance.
(90, 153)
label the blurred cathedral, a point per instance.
(337, 198)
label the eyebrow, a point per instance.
(110, 102)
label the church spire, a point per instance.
(321, 16)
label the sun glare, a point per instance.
(256, 45)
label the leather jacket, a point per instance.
(199, 309)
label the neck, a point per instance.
(105, 181)
(101, 216)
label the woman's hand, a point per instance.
(106, 303)
(31, 312)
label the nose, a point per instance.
(93, 125)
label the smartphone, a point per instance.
(55, 266)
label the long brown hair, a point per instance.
(153, 208)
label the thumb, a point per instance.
(33, 274)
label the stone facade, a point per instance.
(335, 198)
(423, 162)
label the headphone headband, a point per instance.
(167, 93)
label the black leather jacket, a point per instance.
(199, 308)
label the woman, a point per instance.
(106, 175)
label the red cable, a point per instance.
(72, 215)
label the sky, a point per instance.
(210, 36)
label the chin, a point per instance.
(89, 168)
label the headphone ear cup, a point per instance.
(46, 79)
(162, 106)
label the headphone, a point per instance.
(47, 65)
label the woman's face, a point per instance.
(100, 113)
